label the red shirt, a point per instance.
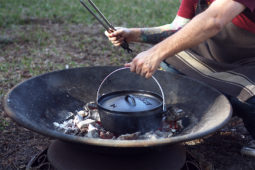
(245, 20)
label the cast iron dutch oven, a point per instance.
(130, 111)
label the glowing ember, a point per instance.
(87, 123)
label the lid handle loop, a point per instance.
(130, 100)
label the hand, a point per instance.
(145, 63)
(118, 36)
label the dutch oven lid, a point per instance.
(130, 101)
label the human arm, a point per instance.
(157, 34)
(200, 28)
(146, 35)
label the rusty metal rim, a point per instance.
(108, 142)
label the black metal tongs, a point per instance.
(107, 25)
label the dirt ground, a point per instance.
(23, 56)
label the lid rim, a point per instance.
(100, 99)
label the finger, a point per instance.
(150, 72)
(143, 73)
(117, 41)
(148, 75)
(120, 39)
(113, 39)
(138, 69)
(117, 33)
(132, 67)
(110, 36)
(111, 33)
(117, 44)
(127, 64)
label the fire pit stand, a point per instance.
(67, 156)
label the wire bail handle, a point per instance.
(123, 68)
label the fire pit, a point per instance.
(40, 101)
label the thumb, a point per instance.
(108, 32)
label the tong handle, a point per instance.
(101, 14)
(125, 46)
(107, 25)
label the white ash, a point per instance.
(77, 119)
(86, 123)
(132, 136)
(95, 115)
(157, 134)
(92, 131)
(82, 113)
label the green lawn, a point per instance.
(130, 13)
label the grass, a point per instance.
(3, 124)
(30, 46)
(133, 13)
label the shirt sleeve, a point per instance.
(250, 4)
(187, 9)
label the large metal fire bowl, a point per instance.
(38, 102)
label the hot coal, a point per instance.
(86, 123)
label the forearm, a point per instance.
(190, 35)
(155, 35)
